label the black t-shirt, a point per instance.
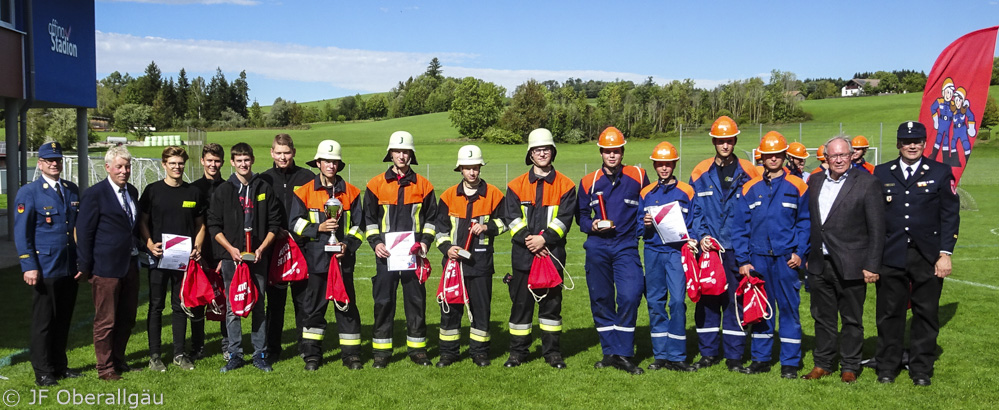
(172, 209)
(726, 174)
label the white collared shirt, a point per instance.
(827, 195)
(123, 200)
(915, 166)
(52, 182)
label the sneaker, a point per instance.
(233, 363)
(226, 355)
(261, 363)
(155, 364)
(183, 362)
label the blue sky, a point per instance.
(306, 50)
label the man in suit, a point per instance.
(847, 240)
(43, 228)
(922, 220)
(107, 252)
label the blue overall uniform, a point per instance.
(772, 225)
(964, 124)
(943, 115)
(664, 276)
(612, 260)
(713, 209)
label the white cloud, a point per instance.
(235, 2)
(349, 69)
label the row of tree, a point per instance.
(643, 110)
(151, 100)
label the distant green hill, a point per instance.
(320, 103)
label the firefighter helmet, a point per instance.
(611, 138)
(469, 155)
(948, 83)
(724, 127)
(540, 137)
(664, 151)
(773, 143)
(859, 142)
(401, 140)
(797, 150)
(327, 150)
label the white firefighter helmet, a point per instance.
(469, 155)
(401, 140)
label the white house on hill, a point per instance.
(856, 86)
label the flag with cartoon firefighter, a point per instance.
(955, 95)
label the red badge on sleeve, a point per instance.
(20, 208)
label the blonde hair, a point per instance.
(117, 152)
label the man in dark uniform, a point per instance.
(211, 161)
(921, 224)
(43, 229)
(284, 177)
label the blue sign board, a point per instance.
(65, 52)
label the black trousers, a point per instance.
(384, 286)
(893, 298)
(834, 298)
(522, 313)
(159, 281)
(277, 299)
(480, 293)
(314, 322)
(52, 305)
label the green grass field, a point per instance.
(965, 374)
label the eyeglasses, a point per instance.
(911, 142)
(838, 156)
(52, 160)
(542, 150)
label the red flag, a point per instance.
(954, 98)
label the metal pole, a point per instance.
(881, 141)
(840, 128)
(799, 133)
(680, 149)
(10, 135)
(82, 145)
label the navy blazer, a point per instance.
(924, 209)
(105, 235)
(43, 228)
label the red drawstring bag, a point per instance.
(195, 289)
(242, 291)
(216, 308)
(423, 268)
(287, 262)
(755, 305)
(712, 271)
(543, 276)
(451, 290)
(335, 289)
(689, 262)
